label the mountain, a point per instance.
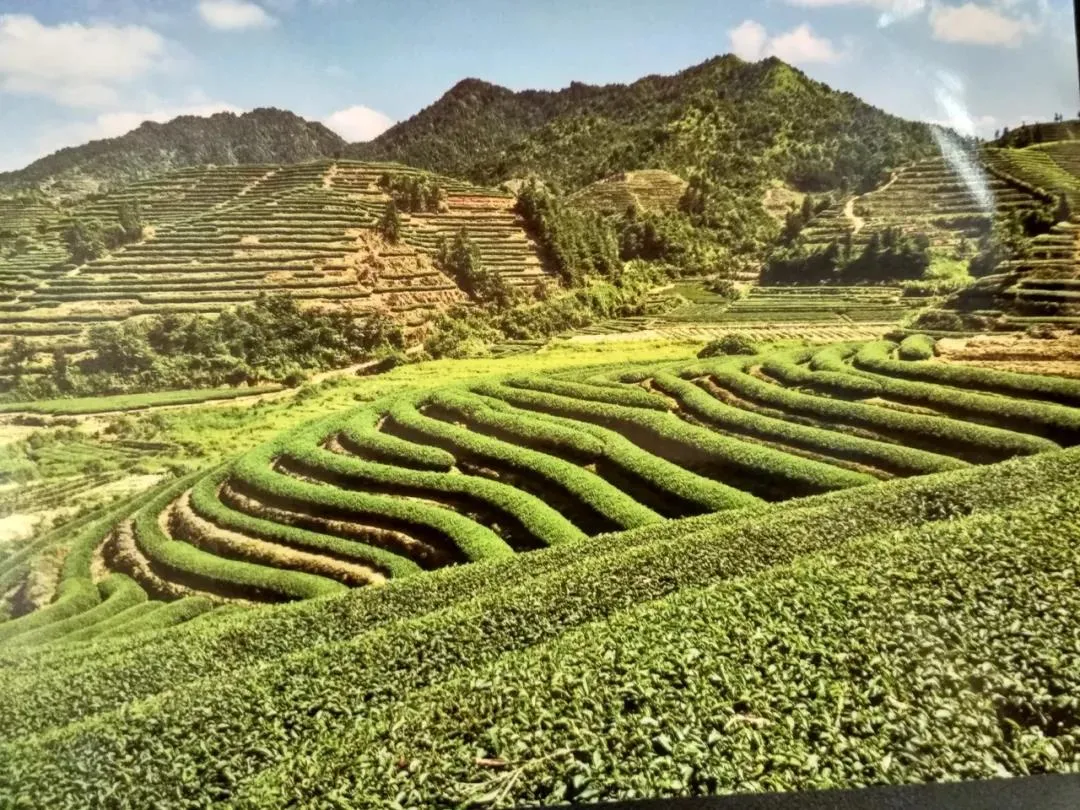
(264, 135)
(741, 123)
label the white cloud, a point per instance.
(234, 15)
(74, 64)
(358, 123)
(800, 46)
(751, 41)
(890, 10)
(979, 25)
(748, 40)
(337, 72)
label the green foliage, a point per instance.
(917, 347)
(413, 193)
(407, 654)
(461, 260)
(1005, 240)
(389, 226)
(268, 341)
(85, 241)
(191, 563)
(972, 442)
(206, 503)
(739, 124)
(889, 256)
(573, 244)
(729, 344)
(1059, 390)
(261, 136)
(755, 470)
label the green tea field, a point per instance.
(500, 589)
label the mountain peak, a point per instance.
(262, 135)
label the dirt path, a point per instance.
(857, 222)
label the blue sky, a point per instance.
(74, 70)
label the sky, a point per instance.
(76, 70)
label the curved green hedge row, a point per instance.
(34, 698)
(588, 489)
(997, 440)
(117, 622)
(106, 515)
(119, 593)
(542, 523)
(255, 470)
(917, 347)
(360, 435)
(1060, 390)
(628, 397)
(1057, 422)
(206, 504)
(756, 469)
(77, 591)
(226, 731)
(890, 457)
(591, 443)
(179, 558)
(822, 672)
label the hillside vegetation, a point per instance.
(223, 139)
(724, 116)
(207, 240)
(739, 550)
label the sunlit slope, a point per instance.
(932, 197)
(220, 236)
(491, 468)
(647, 190)
(865, 615)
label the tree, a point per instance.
(61, 368)
(130, 221)
(85, 241)
(390, 223)
(19, 354)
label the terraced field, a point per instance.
(820, 534)
(820, 314)
(648, 190)
(222, 236)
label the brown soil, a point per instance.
(122, 554)
(392, 540)
(1060, 356)
(192, 528)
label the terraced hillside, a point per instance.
(821, 314)
(930, 197)
(724, 545)
(221, 236)
(647, 190)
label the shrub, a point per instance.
(917, 347)
(729, 344)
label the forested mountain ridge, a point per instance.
(735, 121)
(264, 135)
